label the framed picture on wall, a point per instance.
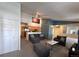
(35, 20)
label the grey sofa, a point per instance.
(41, 50)
(34, 39)
(61, 40)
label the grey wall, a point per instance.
(9, 27)
(45, 28)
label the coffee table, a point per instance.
(52, 42)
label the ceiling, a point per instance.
(66, 11)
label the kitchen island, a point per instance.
(29, 33)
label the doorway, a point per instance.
(23, 32)
(57, 30)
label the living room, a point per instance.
(42, 29)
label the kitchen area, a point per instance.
(32, 27)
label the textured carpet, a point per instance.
(27, 50)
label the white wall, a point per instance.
(9, 27)
(70, 41)
(26, 18)
(72, 38)
(1, 45)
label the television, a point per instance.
(35, 20)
